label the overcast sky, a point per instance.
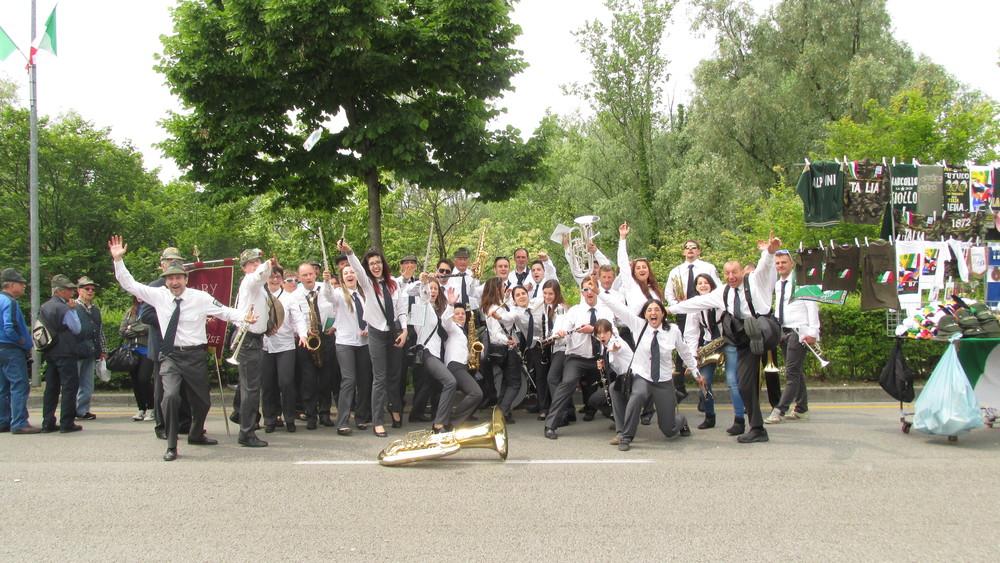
(106, 54)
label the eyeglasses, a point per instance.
(290, 280)
(690, 247)
(782, 252)
(444, 271)
(587, 289)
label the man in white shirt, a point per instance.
(743, 298)
(250, 357)
(520, 275)
(182, 313)
(542, 270)
(799, 320)
(278, 371)
(466, 287)
(316, 386)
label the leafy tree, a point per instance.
(415, 81)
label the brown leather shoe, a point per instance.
(29, 429)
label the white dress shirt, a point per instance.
(284, 339)
(534, 286)
(761, 288)
(634, 297)
(346, 319)
(473, 289)
(578, 343)
(196, 306)
(619, 355)
(501, 330)
(800, 315)
(456, 347)
(301, 301)
(253, 288)
(668, 339)
(374, 313)
(697, 329)
(550, 325)
(681, 272)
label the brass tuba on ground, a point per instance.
(423, 445)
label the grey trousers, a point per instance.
(436, 369)
(795, 388)
(386, 360)
(355, 378)
(665, 399)
(748, 376)
(188, 371)
(251, 360)
(467, 385)
(573, 369)
(278, 386)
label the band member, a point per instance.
(456, 355)
(531, 326)
(501, 346)
(501, 269)
(555, 349)
(521, 272)
(330, 370)
(278, 370)
(466, 287)
(353, 354)
(616, 357)
(315, 386)
(639, 284)
(183, 362)
(681, 285)
(61, 372)
(799, 320)
(542, 270)
(421, 392)
(385, 312)
(652, 369)
(582, 352)
(431, 340)
(743, 297)
(251, 355)
(704, 327)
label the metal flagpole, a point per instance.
(36, 377)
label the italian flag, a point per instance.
(980, 358)
(47, 40)
(6, 45)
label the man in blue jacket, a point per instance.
(15, 345)
(62, 375)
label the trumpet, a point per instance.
(239, 338)
(816, 351)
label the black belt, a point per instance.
(575, 357)
(190, 348)
(255, 335)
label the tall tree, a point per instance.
(415, 81)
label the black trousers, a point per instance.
(185, 372)
(142, 384)
(539, 372)
(426, 390)
(510, 368)
(315, 387)
(278, 386)
(183, 413)
(574, 370)
(748, 379)
(61, 376)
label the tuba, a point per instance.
(581, 260)
(710, 353)
(423, 445)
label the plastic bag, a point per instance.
(947, 405)
(102, 371)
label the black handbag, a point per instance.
(123, 359)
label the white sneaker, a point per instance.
(140, 415)
(794, 415)
(149, 416)
(774, 418)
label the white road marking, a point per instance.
(510, 461)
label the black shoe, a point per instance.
(754, 435)
(397, 423)
(325, 420)
(701, 403)
(588, 416)
(509, 419)
(170, 454)
(542, 416)
(532, 410)
(49, 429)
(624, 445)
(234, 417)
(382, 434)
(737, 428)
(4, 429)
(708, 423)
(88, 416)
(160, 433)
(184, 430)
(685, 430)
(71, 428)
(415, 418)
(311, 424)
(581, 410)
(345, 431)
(290, 427)
(361, 425)
(251, 441)
(268, 428)
(203, 440)
(646, 419)
(551, 434)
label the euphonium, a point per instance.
(424, 445)
(313, 341)
(710, 353)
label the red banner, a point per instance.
(217, 280)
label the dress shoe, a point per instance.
(290, 426)
(71, 428)
(26, 430)
(708, 423)
(397, 423)
(509, 419)
(345, 431)
(184, 430)
(4, 429)
(542, 416)
(551, 434)
(88, 416)
(685, 430)
(202, 441)
(380, 434)
(646, 419)
(160, 433)
(588, 416)
(624, 445)
(234, 417)
(269, 428)
(325, 420)
(251, 441)
(312, 425)
(737, 428)
(170, 454)
(415, 418)
(532, 410)
(754, 435)
(361, 425)
(49, 429)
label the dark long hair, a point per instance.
(386, 276)
(650, 282)
(492, 294)
(708, 278)
(441, 302)
(658, 303)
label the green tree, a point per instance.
(415, 81)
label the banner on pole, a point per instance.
(216, 280)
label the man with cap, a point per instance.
(251, 294)
(466, 287)
(92, 345)
(62, 375)
(407, 276)
(182, 313)
(147, 315)
(15, 346)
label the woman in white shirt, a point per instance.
(639, 283)
(352, 349)
(456, 357)
(431, 339)
(553, 354)
(652, 368)
(500, 344)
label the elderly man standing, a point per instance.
(15, 345)
(92, 344)
(62, 374)
(250, 357)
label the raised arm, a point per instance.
(700, 303)
(622, 312)
(150, 295)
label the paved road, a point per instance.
(847, 484)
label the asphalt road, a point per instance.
(846, 484)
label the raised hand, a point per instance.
(452, 295)
(773, 243)
(592, 248)
(343, 247)
(543, 256)
(623, 230)
(117, 247)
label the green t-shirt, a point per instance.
(821, 187)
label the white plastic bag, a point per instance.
(102, 371)
(947, 405)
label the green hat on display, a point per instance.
(84, 280)
(170, 253)
(10, 275)
(60, 281)
(249, 255)
(174, 269)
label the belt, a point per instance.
(584, 358)
(190, 348)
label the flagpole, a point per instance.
(36, 378)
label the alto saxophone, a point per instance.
(475, 346)
(313, 341)
(709, 354)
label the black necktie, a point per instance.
(521, 277)
(390, 311)
(531, 328)
(358, 310)
(465, 291)
(737, 305)
(781, 304)
(534, 293)
(442, 336)
(595, 346)
(713, 324)
(691, 291)
(654, 358)
(412, 299)
(171, 334)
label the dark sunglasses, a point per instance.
(291, 280)
(444, 271)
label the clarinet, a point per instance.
(603, 374)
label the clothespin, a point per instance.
(800, 246)
(915, 163)
(821, 247)
(856, 243)
(866, 242)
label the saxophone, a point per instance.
(313, 341)
(475, 346)
(709, 354)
